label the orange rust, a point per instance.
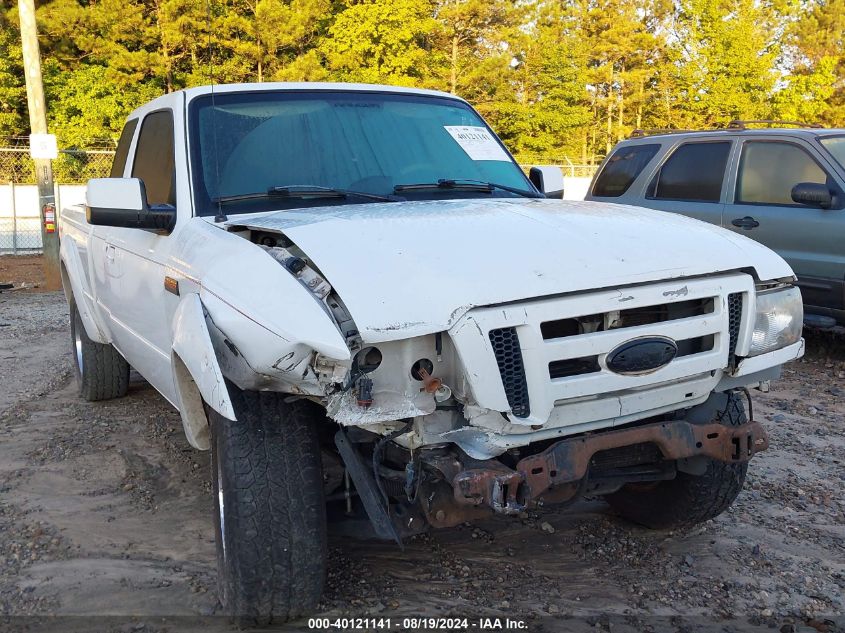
(430, 383)
(568, 461)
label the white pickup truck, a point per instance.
(353, 295)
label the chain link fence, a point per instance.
(570, 168)
(73, 166)
(576, 176)
(20, 216)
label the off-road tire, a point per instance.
(271, 524)
(688, 499)
(101, 372)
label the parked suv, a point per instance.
(782, 187)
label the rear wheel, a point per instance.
(688, 499)
(271, 522)
(101, 372)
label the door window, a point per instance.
(622, 168)
(836, 146)
(694, 172)
(154, 158)
(769, 170)
(122, 152)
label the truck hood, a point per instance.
(413, 268)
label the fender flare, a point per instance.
(196, 372)
(75, 286)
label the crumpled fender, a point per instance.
(196, 372)
(76, 286)
(257, 287)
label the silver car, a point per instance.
(780, 186)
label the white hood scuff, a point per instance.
(413, 268)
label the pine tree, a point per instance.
(13, 118)
(816, 42)
(381, 41)
(545, 113)
(726, 52)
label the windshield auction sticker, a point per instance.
(477, 142)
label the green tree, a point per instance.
(816, 41)
(120, 35)
(87, 109)
(469, 33)
(726, 56)
(554, 77)
(547, 109)
(13, 119)
(625, 47)
(182, 50)
(381, 41)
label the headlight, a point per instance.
(779, 320)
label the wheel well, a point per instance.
(66, 288)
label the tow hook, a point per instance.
(502, 491)
(504, 498)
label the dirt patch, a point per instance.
(105, 512)
(22, 271)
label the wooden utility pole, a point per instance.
(38, 125)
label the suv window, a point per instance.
(622, 168)
(122, 151)
(768, 170)
(154, 158)
(836, 146)
(694, 172)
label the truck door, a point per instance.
(810, 238)
(132, 283)
(92, 250)
(690, 181)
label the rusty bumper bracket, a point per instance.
(510, 491)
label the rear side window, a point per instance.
(154, 158)
(122, 152)
(769, 170)
(694, 172)
(622, 168)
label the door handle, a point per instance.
(110, 251)
(746, 223)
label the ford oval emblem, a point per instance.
(642, 355)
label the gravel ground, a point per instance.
(106, 511)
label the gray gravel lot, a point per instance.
(106, 511)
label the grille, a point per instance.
(574, 367)
(511, 368)
(734, 319)
(552, 350)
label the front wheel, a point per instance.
(271, 521)
(688, 499)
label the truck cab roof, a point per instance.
(187, 94)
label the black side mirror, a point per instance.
(122, 202)
(812, 193)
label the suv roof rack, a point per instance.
(737, 124)
(650, 132)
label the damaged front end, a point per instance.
(405, 491)
(510, 407)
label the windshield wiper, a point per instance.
(464, 184)
(305, 191)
